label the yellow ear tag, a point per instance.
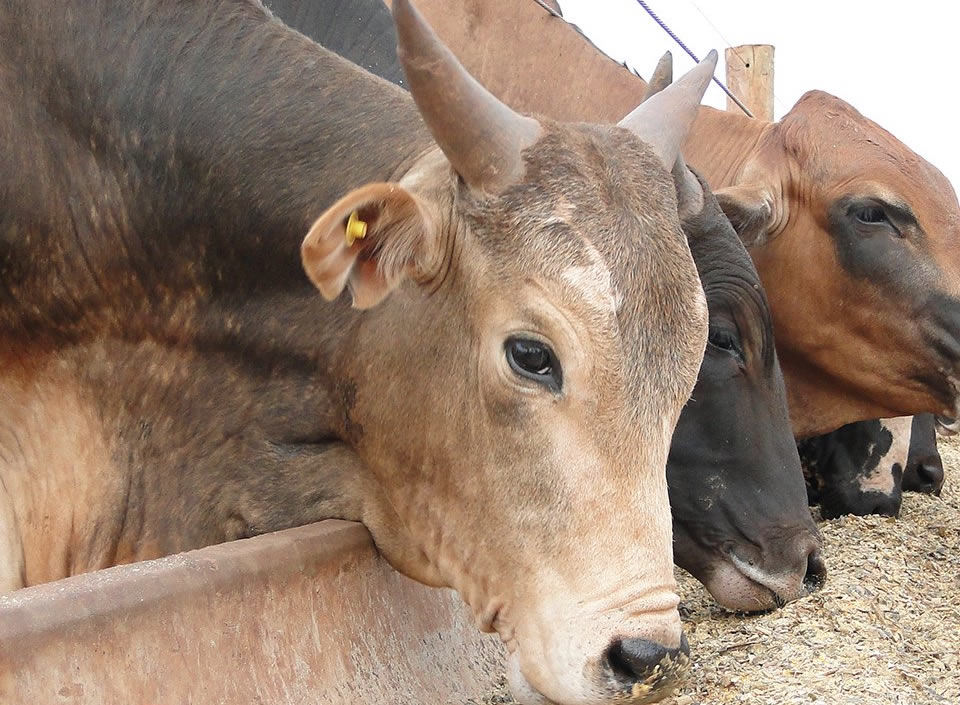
(356, 229)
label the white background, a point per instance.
(895, 62)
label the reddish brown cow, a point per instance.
(873, 329)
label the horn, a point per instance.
(689, 190)
(480, 136)
(663, 120)
(662, 76)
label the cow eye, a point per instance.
(724, 339)
(870, 215)
(534, 360)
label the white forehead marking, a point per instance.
(594, 281)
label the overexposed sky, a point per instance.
(895, 62)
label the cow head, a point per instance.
(837, 208)
(532, 326)
(740, 516)
(740, 519)
(924, 470)
(858, 469)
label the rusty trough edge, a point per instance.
(308, 615)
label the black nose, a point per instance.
(816, 574)
(926, 476)
(636, 660)
(883, 504)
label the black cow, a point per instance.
(740, 517)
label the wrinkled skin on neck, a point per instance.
(496, 486)
(740, 517)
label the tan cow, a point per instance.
(853, 234)
(495, 405)
(740, 518)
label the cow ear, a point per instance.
(749, 207)
(369, 241)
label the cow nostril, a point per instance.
(929, 478)
(816, 574)
(635, 660)
(887, 506)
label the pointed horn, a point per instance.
(662, 76)
(689, 190)
(664, 120)
(480, 136)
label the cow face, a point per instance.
(533, 326)
(876, 331)
(924, 470)
(740, 516)
(858, 469)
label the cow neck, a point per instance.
(296, 142)
(197, 182)
(721, 143)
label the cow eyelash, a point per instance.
(870, 215)
(723, 339)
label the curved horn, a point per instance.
(664, 120)
(662, 76)
(480, 136)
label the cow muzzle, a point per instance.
(632, 670)
(601, 659)
(752, 582)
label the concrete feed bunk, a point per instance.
(308, 615)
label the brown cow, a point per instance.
(872, 329)
(496, 406)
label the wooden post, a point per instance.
(750, 78)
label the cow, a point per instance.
(508, 322)
(872, 330)
(864, 467)
(858, 469)
(740, 519)
(924, 470)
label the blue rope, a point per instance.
(693, 56)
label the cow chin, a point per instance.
(947, 426)
(744, 584)
(740, 585)
(735, 591)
